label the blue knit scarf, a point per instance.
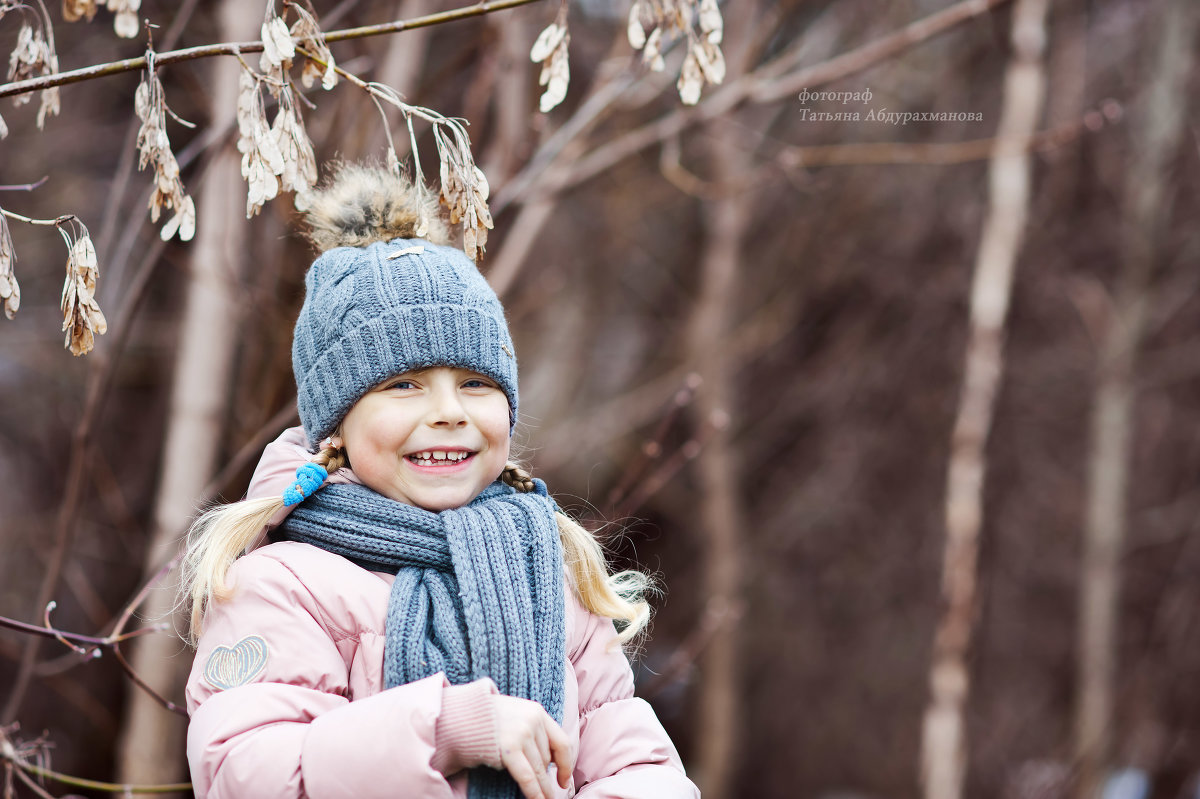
(478, 590)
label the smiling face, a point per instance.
(433, 438)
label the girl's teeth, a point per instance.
(438, 457)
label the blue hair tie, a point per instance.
(309, 477)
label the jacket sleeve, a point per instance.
(624, 752)
(270, 713)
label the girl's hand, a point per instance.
(529, 741)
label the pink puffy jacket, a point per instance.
(286, 696)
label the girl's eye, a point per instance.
(401, 384)
(477, 382)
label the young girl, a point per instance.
(405, 613)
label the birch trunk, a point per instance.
(710, 351)
(721, 519)
(944, 733)
(151, 749)
(1156, 133)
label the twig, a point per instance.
(250, 450)
(140, 683)
(878, 154)
(58, 221)
(585, 117)
(751, 88)
(99, 380)
(654, 482)
(33, 786)
(100, 377)
(232, 48)
(94, 785)
(70, 639)
(111, 641)
(139, 598)
(715, 619)
(25, 186)
(652, 449)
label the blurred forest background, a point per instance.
(744, 331)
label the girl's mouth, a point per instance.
(437, 457)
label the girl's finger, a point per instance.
(525, 777)
(560, 748)
(540, 768)
(543, 743)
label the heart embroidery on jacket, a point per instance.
(229, 667)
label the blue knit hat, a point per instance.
(388, 307)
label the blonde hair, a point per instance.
(221, 535)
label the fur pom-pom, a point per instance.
(364, 204)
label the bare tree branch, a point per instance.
(20, 756)
(235, 48)
(763, 86)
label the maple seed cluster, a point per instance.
(10, 292)
(550, 50)
(280, 157)
(33, 57)
(464, 187)
(699, 21)
(82, 318)
(125, 21)
(154, 147)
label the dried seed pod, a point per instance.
(278, 49)
(691, 80)
(299, 163)
(74, 10)
(10, 291)
(27, 59)
(551, 51)
(699, 21)
(184, 221)
(635, 31)
(82, 318)
(547, 42)
(710, 60)
(262, 158)
(464, 188)
(652, 52)
(154, 147)
(711, 23)
(556, 77)
(125, 23)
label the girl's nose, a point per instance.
(446, 408)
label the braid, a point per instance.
(330, 457)
(517, 477)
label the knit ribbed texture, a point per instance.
(367, 317)
(466, 729)
(478, 590)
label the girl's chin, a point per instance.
(436, 500)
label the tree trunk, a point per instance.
(721, 519)
(710, 351)
(944, 734)
(1156, 133)
(152, 747)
